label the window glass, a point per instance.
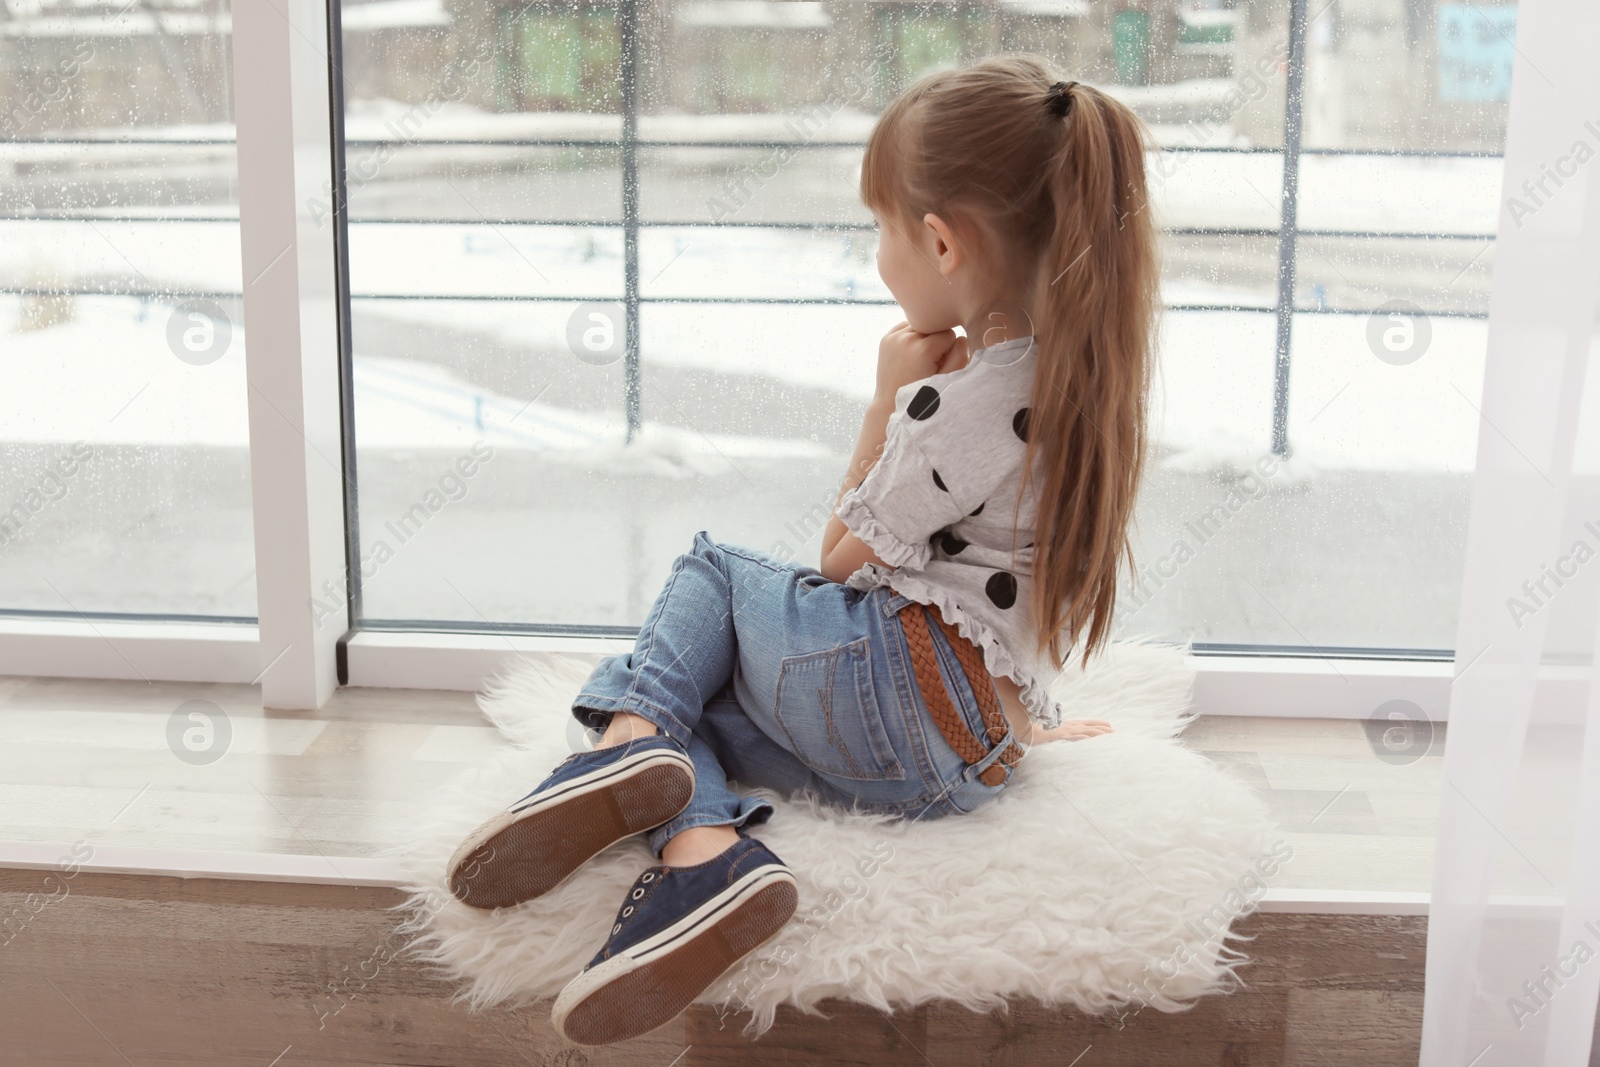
(1363, 545)
(124, 462)
(506, 268)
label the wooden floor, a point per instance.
(1355, 821)
(108, 968)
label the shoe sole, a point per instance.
(654, 981)
(526, 852)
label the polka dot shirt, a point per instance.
(938, 508)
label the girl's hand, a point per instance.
(906, 356)
(1073, 730)
(955, 359)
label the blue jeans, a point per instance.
(769, 674)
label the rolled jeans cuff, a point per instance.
(753, 810)
(585, 705)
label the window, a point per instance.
(610, 284)
(124, 459)
(1309, 484)
(1358, 541)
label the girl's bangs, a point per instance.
(881, 191)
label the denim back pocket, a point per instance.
(829, 711)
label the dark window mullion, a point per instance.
(628, 32)
(1294, 102)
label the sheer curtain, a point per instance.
(1513, 968)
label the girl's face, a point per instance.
(908, 263)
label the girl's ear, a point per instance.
(945, 248)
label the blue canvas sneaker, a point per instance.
(588, 803)
(679, 929)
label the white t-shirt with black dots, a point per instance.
(938, 507)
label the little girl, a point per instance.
(978, 534)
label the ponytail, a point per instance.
(1099, 296)
(1055, 172)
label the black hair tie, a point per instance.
(1059, 100)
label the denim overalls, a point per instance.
(771, 675)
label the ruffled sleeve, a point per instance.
(903, 501)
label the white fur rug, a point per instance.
(1087, 882)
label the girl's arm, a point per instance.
(904, 356)
(843, 552)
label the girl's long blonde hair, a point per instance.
(1060, 204)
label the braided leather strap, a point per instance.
(951, 723)
(925, 664)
